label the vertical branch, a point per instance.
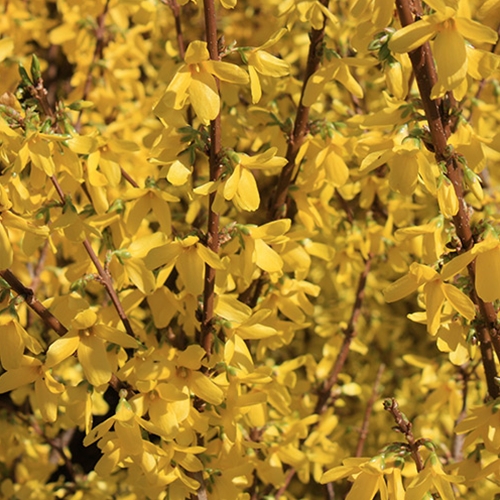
(349, 333)
(405, 427)
(176, 12)
(98, 53)
(363, 433)
(426, 76)
(206, 339)
(324, 393)
(278, 208)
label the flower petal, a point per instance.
(412, 36)
(62, 349)
(94, 361)
(401, 288)
(488, 275)
(227, 72)
(267, 64)
(459, 301)
(6, 252)
(205, 389)
(451, 70)
(204, 96)
(12, 379)
(476, 32)
(196, 52)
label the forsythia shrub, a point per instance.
(245, 243)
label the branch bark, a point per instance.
(405, 427)
(325, 392)
(206, 339)
(363, 433)
(40, 93)
(278, 208)
(426, 76)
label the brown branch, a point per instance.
(49, 319)
(57, 444)
(278, 207)
(105, 277)
(288, 479)
(350, 332)
(108, 285)
(176, 12)
(363, 433)
(206, 338)
(29, 297)
(100, 44)
(405, 427)
(325, 392)
(40, 93)
(426, 76)
(37, 271)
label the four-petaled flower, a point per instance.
(450, 30)
(196, 80)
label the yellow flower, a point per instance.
(189, 257)
(243, 323)
(370, 476)
(47, 389)
(450, 49)
(436, 292)
(88, 338)
(195, 80)
(311, 11)
(241, 186)
(482, 424)
(149, 200)
(487, 279)
(336, 69)
(432, 478)
(406, 161)
(8, 219)
(263, 63)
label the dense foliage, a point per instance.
(244, 244)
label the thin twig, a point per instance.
(100, 44)
(363, 433)
(288, 479)
(55, 444)
(32, 302)
(278, 207)
(325, 392)
(350, 332)
(405, 427)
(39, 92)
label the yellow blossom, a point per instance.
(195, 80)
(436, 292)
(241, 186)
(263, 63)
(431, 479)
(451, 30)
(88, 338)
